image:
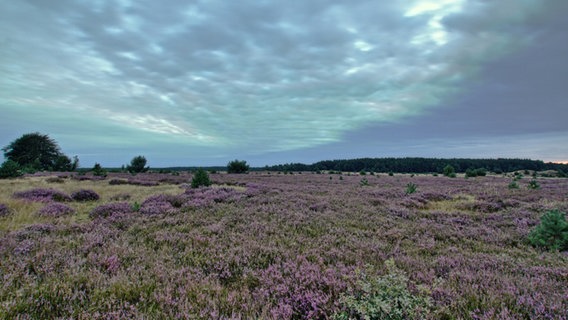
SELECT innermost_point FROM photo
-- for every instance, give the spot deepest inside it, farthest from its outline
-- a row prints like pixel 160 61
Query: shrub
pixel 107 210
pixel 10 169
pixel 533 184
pixel 386 297
pixel 362 172
pixel 200 179
pixel 237 166
pixel 85 195
pixel 513 185
pixel 410 188
pixel 55 210
pixel 552 232
pixel 42 195
pixel 99 171
pixel 364 182
pixel 449 171
pixel 4 210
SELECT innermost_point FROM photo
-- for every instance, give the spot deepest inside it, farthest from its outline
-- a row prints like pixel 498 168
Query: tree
pixel 10 169
pixel 552 232
pixel 449 171
pixel 137 165
pixel 237 166
pixel 36 151
pixel 201 178
pixel 99 171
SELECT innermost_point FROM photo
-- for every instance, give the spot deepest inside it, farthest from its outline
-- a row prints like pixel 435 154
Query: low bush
pixel 55 210
pixel 385 297
pixel 42 195
pixel 10 169
pixel 107 210
pixel 410 188
pixel 4 210
pixel 85 195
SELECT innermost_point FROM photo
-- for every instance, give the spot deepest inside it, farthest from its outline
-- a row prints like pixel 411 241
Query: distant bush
pixel 386 297
pixel 362 172
pixel 107 210
pixel 513 185
pixel 200 179
pixel 533 184
pixel 552 232
pixel 10 169
pixel 449 171
pixel 364 182
pixel 237 166
pixel 99 171
pixel 85 195
pixel 55 210
pixel 479 172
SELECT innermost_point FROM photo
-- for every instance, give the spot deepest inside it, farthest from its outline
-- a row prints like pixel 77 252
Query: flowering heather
pixel 85 195
pixel 110 209
pixel 159 204
pixel 42 195
pixel 4 210
pixel 55 210
pixel 296 246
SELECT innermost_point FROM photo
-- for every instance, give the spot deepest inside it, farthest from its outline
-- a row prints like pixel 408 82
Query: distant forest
pixel 421 165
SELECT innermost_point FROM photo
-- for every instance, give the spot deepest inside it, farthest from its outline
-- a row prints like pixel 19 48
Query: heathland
pixel 279 246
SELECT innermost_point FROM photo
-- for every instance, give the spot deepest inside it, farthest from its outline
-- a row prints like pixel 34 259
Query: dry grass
pixel 24 212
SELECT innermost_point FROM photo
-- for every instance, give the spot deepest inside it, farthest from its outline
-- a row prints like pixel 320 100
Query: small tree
pixel 449 171
pixel 137 165
pixel 237 166
pixel 552 232
pixel 200 179
pixel 99 171
pixel 10 169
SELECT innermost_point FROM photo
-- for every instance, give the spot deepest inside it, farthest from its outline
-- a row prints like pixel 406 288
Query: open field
pixel 262 245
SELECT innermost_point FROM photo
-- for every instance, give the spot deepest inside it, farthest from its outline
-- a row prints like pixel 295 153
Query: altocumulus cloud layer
pixel 207 81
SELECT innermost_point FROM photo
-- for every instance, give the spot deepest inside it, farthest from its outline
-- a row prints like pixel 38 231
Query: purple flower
pixel 4 210
pixel 55 210
pixel 42 195
pixel 107 210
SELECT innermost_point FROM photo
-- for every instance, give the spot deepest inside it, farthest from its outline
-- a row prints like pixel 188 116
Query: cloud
pixel 263 76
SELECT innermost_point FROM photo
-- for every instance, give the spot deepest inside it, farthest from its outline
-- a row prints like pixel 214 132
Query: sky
pixel 200 83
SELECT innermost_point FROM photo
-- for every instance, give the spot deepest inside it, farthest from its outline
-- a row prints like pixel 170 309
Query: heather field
pixel 278 246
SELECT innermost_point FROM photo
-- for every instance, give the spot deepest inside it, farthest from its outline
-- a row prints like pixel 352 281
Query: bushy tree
pixel 237 166
pixel 10 169
pixel 449 171
pixel 99 171
pixel 552 232
pixel 200 179
pixel 137 165
pixel 36 151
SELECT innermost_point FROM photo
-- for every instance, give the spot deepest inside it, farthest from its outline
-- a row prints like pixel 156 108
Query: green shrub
pixel 10 169
pixel 137 165
pixel 410 188
pixel 200 179
pixel 99 171
pixel 449 171
pixel 552 232
pixel 386 297
pixel 533 184
pixel 513 185
pixel 362 172
pixel 364 182
pixel 237 166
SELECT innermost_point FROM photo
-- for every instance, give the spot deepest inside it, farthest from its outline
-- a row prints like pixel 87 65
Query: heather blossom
pixel 55 210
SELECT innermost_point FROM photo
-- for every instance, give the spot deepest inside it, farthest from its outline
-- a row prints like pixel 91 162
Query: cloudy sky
pixel 204 82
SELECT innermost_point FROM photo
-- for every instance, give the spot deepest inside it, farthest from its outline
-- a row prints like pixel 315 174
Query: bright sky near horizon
pixel 189 83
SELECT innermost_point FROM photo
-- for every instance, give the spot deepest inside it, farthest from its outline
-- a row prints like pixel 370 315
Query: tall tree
pixel 38 152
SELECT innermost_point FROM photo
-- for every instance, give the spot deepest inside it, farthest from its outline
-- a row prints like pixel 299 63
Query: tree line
pixel 421 165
